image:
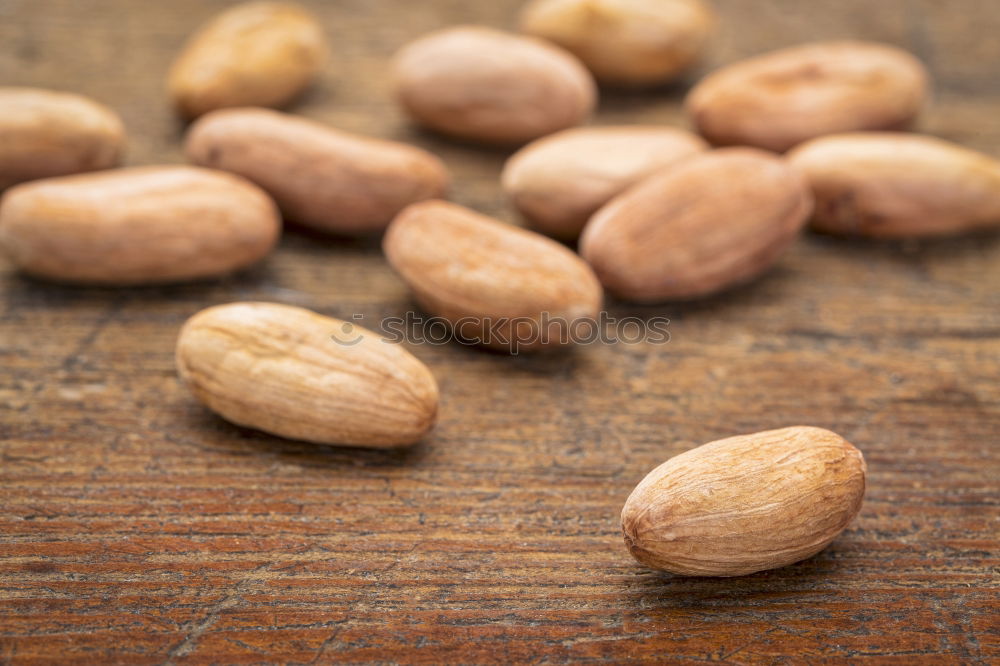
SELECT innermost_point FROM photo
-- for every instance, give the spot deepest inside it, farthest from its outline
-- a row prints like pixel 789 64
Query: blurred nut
pixel 252 54
pixel 498 285
pixel 320 176
pixel 888 185
pixel 559 181
pixel 711 222
pixel 142 225
pixel 489 86
pixel 780 99
pixel 625 42
pixel 45 133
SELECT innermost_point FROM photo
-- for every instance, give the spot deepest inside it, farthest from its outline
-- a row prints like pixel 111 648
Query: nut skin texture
pixel 709 223
pixel 629 43
pixel 885 185
pixel 321 177
pixel 281 369
pixel 45 133
pixel 780 99
pixel 253 54
pixel 559 181
pixel 488 86
pixel 470 269
pixel 135 226
pixel 745 504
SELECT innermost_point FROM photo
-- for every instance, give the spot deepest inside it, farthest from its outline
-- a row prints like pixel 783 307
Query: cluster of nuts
pixel 659 213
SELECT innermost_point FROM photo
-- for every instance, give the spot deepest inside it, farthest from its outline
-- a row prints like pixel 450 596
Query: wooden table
pixel 136 527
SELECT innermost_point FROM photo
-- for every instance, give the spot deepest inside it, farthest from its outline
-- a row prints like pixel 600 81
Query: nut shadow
pixel 775 284
pixel 209 432
pixel 453 147
pixel 39 291
pixel 624 98
pixel 302 238
pixel 554 361
pixel 943 248
pixel 769 286
pixel 660 591
pixel 561 361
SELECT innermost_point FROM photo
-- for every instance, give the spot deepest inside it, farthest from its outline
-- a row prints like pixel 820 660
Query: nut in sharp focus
pixel 746 503
pixel 297 374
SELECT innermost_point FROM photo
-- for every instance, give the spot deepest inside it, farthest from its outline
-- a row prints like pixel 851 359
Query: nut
pixel 625 42
pixel 559 181
pixel 140 225
pixel 886 185
pixel 321 177
pixel 498 285
pixel 46 133
pixel 706 224
pixel 778 100
pixel 490 86
pixel 745 504
pixel 297 374
pixel 252 54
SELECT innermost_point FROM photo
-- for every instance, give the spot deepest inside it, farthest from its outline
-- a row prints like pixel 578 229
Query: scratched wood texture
pixel 135 527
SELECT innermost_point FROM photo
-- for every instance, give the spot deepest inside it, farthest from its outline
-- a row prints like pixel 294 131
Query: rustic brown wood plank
pixel 137 528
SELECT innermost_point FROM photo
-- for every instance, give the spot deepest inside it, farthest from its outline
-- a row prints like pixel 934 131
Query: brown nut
pixel 711 222
pixel 44 133
pixel 745 504
pixel 297 374
pixel 499 286
pixel 321 177
pixel 559 181
pixel 489 86
pixel 252 54
pixel 780 99
pixel 625 42
pixel 141 225
pixel 886 185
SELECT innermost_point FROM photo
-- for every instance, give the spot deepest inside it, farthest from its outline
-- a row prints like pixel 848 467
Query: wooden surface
pixel 135 527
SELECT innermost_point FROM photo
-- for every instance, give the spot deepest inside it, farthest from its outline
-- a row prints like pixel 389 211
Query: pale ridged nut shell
pixel 297 374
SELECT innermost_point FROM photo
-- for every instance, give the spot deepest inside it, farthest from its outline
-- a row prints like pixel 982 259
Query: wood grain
pixel 135 527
